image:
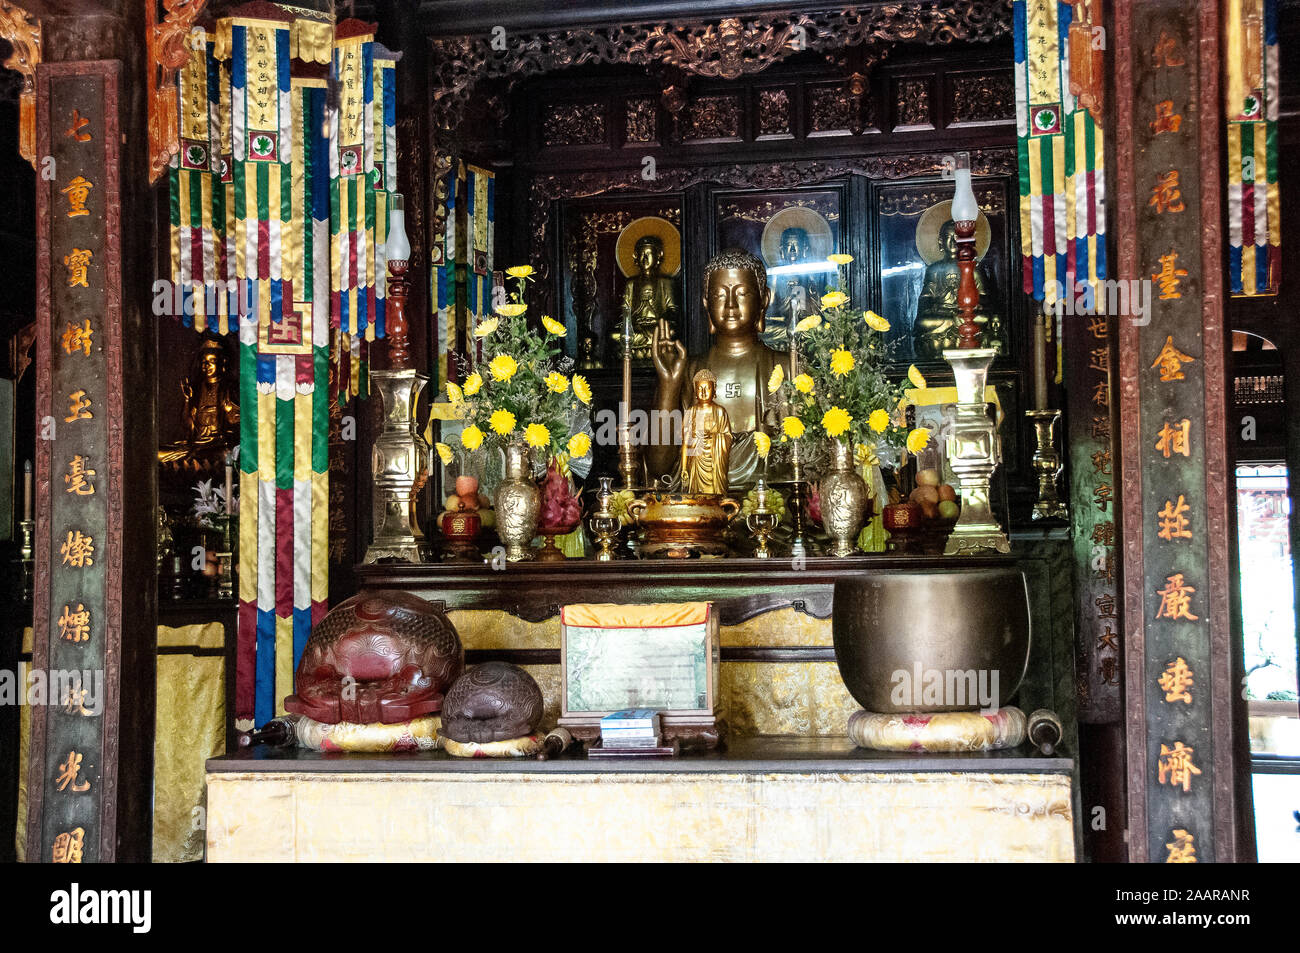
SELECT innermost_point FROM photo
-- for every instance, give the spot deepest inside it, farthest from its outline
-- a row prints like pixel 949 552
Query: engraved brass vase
pixel 518 502
pixel 844 501
pixel 893 630
pixel 681 525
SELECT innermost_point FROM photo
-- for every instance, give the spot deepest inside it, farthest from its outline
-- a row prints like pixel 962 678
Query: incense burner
pixel 680 525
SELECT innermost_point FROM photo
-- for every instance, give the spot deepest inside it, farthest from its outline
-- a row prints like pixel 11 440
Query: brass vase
pixel 844 500
pixel 518 502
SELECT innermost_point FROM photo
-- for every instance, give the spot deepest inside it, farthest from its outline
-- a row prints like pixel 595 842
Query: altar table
pixel 762 799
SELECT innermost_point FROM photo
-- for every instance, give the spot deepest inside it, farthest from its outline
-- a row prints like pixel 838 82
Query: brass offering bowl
pixel 680 525
pixel 960 620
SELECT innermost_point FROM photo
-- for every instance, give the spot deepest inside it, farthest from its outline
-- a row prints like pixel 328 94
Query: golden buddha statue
pixel 706 440
pixel 736 298
pixel 937 321
pixel 796 293
pixel 211 410
pixel 648 298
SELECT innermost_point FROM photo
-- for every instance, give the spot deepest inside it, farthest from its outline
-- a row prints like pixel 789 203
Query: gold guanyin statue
pixel 211 413
pixel 736 298
pixel 937 320
pixel 648 296
pixel 706 440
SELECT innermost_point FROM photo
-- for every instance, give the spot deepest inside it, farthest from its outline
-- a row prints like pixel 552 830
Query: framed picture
pixel 917 267
pixel 793 232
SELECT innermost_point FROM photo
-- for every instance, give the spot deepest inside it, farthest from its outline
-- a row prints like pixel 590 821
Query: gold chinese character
pixel 78 550
pixel 1101 392
pixel 1101 462
pixel 1175 439
pixel 68 771
pixel 1170 360
pixel 78 407
pixel 1166 119
pixel 1168 276
pixel 78 263
pixel 75 626
pixel 1099 326
pixel 1105 606
pixel 78 337
pixel 67 847
pixel 1176 600
pixel 77 191
pixel 75 703
pixel 1106 572
pixel 1181 850
pixel 1175 681
pixel 1173 524
pixel 1100 359
pixel 1104 533
pixel 1109 670
pixel 1107 640
pixel 1176 766
pixel 1165 194
pixel 1102 496
pixel 78 128
pixel 1101 428
pixel 1166 52
pixel 78 477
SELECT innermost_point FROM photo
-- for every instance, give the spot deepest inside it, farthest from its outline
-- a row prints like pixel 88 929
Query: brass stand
pixel 1047 464
pixel 603 523
pixel 27 554
pixel 974 452
pixel 225 558
pixel 762 522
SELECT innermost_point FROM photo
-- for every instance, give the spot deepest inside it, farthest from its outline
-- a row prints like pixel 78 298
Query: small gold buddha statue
pixel 795 294
pixel 211 414
pixel 736 298
pixel 648 298
pixel 937 320
pixel 706 440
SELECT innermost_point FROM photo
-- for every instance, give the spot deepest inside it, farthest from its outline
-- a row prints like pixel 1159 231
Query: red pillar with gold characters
pixel 1184 714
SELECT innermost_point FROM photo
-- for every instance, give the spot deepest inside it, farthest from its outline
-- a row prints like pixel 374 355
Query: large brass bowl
pixel 683 524
pixel 922 621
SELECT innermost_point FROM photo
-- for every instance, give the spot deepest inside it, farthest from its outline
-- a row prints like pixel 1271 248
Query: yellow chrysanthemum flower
pixel 502 421
pixel 553 326
pixel 579 445
pixel 840 259
pixel 557 382
pixel 808 323
pixel 454 392
pixel 836 420
pixel 774 380
pixel 803 384
pixel 876 322
pixel 917 439
pixel 486 327
pixel 503 367
pixel 878 420
pixel 512 310
pixel 471 438
pixel 444 453
pixel 763 444
pixel 520 271
pixel 792 427
pixel 536 435
pixel 915 378
pixel 841 362
pixel 582 388
pixel 834 299
pixel 473 384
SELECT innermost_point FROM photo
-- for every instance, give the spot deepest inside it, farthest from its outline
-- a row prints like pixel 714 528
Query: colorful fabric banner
pixel 480 219
pixel 1250 90
pixel 278 191
pixel 442 278
pixel 1061 146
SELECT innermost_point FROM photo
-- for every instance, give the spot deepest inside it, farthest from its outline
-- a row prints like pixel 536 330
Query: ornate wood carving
pixel 23 31
pixel 983 97
pixel 774 113
pixel 713 118
pixel 724 49
pixel 912 103
pixel 831 109
pixel 574 124
pixel 642 120
pixel 169 48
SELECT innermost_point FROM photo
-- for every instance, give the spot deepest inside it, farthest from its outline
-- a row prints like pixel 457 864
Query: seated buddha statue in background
pixel 795 294
pixel 937 320
pixel 648 298
pixel 211 416
pixel 736 298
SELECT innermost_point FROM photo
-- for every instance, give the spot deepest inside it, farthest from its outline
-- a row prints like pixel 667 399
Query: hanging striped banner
pixel 1061 148
pixel 1250 90
pixel 442 260
pixel 480 215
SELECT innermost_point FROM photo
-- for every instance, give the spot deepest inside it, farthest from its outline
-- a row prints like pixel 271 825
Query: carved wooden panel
pixel 642 120
pixel 774 113
pixel 912 104
pixel 714 118
pixel 574 124
pixel 979 98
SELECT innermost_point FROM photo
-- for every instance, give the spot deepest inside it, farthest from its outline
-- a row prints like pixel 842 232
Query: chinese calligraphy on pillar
pixel 77 626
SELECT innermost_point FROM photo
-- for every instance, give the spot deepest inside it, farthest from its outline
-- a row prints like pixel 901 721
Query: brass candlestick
pixel 603 523
pixel 27 555
pixel 400 459
pixel 225 558
pixel 762 522
pixel 629 460
pixel 1047 464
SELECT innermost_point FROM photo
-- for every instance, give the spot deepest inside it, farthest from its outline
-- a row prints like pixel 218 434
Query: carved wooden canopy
pixel 724 48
